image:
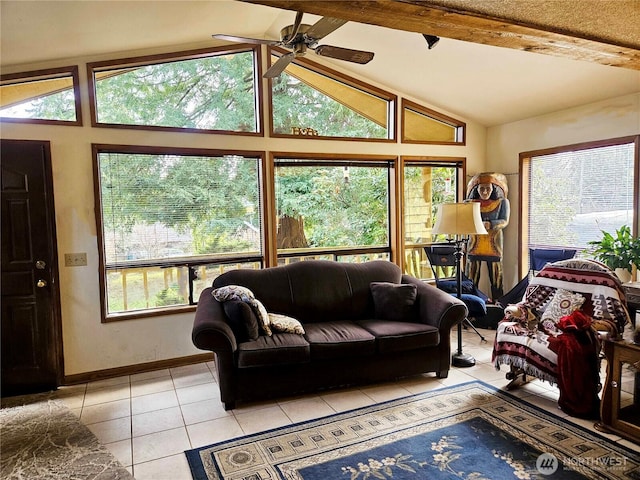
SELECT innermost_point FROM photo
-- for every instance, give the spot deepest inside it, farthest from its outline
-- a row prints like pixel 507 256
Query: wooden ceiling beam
pixel 424 17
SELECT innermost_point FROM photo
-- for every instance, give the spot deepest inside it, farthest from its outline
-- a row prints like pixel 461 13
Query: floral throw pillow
pixel 283 323
pixel 563 303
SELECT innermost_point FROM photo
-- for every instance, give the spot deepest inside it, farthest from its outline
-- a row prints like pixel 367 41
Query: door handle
pixel 41 283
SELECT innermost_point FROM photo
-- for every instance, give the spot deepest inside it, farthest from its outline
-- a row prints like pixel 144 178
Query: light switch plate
pixel 75 259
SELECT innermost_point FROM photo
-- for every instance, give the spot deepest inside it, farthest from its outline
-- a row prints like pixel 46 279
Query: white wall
pixel 90 345
pixel 613 118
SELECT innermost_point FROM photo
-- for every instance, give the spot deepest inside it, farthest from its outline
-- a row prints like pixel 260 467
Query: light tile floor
pixel 148 420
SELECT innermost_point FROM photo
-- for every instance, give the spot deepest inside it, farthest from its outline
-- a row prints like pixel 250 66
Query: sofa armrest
pixel 210 328
pixel 437 308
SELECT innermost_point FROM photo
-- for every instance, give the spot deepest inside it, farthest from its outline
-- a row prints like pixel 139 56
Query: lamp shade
pixel 459 219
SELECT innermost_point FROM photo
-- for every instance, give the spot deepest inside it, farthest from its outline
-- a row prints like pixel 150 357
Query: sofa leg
pixel 442 374
pixel 229 405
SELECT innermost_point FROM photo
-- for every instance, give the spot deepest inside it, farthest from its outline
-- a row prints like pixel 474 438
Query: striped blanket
pixel 526 348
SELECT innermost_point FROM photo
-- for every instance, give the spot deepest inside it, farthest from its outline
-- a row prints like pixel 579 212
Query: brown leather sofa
pixel 355 332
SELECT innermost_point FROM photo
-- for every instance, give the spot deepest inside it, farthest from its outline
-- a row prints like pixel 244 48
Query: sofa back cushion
pixel 316 290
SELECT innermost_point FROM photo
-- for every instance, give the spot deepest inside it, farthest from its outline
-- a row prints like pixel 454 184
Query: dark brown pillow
pixel 242 320
pixel 393 301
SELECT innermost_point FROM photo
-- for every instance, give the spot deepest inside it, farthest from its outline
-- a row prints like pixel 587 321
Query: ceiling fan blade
pixel 233 38
pixel 355 56
pixel 278 67
pixel 296 24
pixel 324 27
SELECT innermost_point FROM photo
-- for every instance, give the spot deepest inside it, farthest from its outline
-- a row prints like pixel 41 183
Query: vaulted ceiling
pixel 601 32
pixel 497 61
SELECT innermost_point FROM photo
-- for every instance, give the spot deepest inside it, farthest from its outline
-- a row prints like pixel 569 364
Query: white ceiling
pixel 490 85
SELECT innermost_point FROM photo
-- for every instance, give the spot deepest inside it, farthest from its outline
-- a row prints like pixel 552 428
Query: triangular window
pixel 43 96
pixel 308 100
pixel 423 125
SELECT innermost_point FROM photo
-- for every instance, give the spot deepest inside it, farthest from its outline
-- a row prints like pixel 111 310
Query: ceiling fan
pixel 299 37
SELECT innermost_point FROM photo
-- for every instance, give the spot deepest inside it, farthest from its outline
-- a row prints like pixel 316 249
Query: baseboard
pixel 138 368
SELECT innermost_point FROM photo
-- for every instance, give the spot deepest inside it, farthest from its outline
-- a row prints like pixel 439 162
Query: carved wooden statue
pixel 491 190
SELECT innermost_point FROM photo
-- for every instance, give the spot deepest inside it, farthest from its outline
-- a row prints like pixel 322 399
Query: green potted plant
pixel 619 252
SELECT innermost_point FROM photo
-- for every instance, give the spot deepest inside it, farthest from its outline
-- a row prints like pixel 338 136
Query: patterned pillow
pixel 283 323
pixel 262 315
pixel 243 294
pixel 563 303
pixel 233 292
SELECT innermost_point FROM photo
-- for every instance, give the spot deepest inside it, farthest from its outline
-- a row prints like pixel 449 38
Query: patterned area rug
pixel 42 439
pixel 471 431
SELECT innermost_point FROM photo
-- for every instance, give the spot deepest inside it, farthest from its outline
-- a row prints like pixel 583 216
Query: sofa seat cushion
pixel 393 336
pixel 277 349
pixel 338 339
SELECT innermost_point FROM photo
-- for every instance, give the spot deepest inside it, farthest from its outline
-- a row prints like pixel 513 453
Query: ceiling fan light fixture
pixel 300 37
pixel 432 40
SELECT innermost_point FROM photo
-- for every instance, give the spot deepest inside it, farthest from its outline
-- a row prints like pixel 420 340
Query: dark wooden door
pixel 31 326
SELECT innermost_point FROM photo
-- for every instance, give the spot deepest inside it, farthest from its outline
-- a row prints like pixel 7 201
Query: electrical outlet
pixel 75 259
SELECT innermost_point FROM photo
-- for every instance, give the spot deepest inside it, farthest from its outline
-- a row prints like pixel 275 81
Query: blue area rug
pixel 470 431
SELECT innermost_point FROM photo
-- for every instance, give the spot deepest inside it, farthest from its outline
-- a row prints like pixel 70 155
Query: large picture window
pixel 196 91
pixel 334 209
pixel 574 193
pixel 165 215
pixel 172 218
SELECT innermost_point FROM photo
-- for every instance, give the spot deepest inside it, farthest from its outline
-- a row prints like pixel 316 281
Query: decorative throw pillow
pixel 262 315
pixel 283 323
pixel 243 294
pixel 563 303
pixel 233 292
pixel 393 301
pixel 242 320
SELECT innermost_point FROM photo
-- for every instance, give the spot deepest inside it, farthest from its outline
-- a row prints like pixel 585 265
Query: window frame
pixel 459 126
pixel 391 98
pixel 268 256
pixel 336 159
pixel 47 74
pixel 459 163
pixel 189 262
pixel 524 179
pixel 132 62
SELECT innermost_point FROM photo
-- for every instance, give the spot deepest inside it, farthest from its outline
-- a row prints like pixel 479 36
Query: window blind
pixel 574 195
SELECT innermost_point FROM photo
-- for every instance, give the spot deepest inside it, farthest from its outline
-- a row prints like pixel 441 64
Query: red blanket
pixel 578 366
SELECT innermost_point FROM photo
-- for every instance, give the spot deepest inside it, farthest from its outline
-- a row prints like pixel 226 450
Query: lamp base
pixel 462 360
